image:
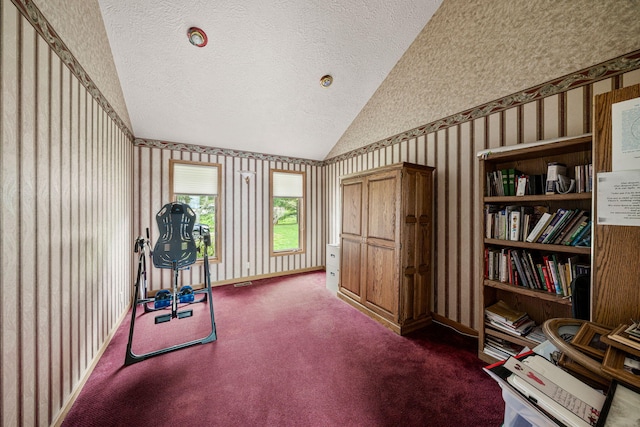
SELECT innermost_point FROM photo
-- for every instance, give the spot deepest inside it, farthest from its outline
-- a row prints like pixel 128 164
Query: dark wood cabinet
pixel 386 259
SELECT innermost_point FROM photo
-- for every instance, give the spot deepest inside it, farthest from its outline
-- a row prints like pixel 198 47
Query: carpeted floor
pixel 289 353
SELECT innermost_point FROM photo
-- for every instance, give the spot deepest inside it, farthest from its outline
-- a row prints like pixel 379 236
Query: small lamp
pixel 246 175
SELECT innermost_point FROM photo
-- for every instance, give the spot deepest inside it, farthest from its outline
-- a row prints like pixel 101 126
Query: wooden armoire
pixel 386 244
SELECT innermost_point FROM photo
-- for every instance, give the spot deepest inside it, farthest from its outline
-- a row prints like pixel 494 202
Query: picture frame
pixel 587 340
pixel 614 365
pixel 585 375
pixel 622 407
pixel 620 338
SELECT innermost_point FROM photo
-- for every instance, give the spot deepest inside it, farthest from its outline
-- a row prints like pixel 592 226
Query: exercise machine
pixel 175 250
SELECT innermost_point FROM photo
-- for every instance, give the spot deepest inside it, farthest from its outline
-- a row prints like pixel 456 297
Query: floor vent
pixel 238 285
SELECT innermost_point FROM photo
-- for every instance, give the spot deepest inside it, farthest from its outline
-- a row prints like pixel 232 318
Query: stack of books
pixel 500 348
pixel 537 335
pixel 502 317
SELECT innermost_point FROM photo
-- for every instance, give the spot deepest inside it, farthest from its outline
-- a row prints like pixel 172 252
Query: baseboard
pixel 200 286
pixel 459 327
pixel 59 418
pixel 265 276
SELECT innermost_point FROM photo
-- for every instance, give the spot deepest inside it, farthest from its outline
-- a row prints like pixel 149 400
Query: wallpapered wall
pixel 66 215
pixel 474 51
pixel 75 193
pixel 245 210
pixel 558 108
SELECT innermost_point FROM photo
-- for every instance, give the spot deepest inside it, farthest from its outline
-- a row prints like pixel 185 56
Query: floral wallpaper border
pixel 589 75
pixel 178 146
pixel 611 68
pixel 30 11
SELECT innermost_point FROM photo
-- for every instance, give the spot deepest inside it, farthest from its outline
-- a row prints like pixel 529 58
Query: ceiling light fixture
pixel 197 37
pixel 325 81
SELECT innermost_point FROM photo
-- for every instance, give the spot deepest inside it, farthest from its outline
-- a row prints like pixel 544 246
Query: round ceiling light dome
pixel 197 37
pixel 325 81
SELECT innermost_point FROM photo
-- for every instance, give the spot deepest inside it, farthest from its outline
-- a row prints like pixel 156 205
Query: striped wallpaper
pixel 450 145
pixel 76 191
pixel 66 202
pixel 245 213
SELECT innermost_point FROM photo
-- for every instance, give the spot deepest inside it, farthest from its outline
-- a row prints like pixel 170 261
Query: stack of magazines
pixel 499 348
pixel 502 317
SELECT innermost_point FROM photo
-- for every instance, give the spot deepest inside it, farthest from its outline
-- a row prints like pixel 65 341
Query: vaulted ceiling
pixel 397 65
pixel 255 86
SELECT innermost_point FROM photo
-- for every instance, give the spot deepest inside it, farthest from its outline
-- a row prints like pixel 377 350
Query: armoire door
pixel 381 236
pixel 351 238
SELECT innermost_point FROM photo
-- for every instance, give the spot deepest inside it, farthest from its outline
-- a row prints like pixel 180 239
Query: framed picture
pixel 585 375
pixel 622 366
pixel 622 407
pixel 588 340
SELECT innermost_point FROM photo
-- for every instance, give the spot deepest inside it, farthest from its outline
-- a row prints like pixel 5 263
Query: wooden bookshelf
pixel 532 158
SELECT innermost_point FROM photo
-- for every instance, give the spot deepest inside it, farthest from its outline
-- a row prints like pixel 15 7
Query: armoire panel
pixel 352 208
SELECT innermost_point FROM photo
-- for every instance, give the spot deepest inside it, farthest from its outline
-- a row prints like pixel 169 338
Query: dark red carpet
pixel 289 353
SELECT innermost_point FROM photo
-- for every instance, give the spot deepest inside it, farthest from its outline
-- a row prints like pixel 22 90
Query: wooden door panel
pixel 382 208
pixel 381 284
pixel 416 298
pixel 352 208
pixel 350 271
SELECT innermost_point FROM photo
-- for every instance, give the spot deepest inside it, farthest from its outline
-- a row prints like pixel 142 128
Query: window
pixel 287 202
pixel 198 185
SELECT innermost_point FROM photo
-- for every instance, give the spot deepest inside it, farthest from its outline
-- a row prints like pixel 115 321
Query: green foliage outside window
pixel 205 210
pixel 286 225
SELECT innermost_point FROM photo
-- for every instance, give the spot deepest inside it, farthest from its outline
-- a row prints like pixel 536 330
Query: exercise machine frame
pixel 141 280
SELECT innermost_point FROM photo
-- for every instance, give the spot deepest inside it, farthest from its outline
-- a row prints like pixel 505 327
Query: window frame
pixel 217 242
pixel 301 215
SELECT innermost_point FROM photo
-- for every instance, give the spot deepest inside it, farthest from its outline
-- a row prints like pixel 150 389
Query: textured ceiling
pixel 476 51
pixel 255 86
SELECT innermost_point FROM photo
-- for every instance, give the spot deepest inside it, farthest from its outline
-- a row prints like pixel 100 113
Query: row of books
pixel 512 182
pixel 534 224
pixel 546 272
pixel 584 178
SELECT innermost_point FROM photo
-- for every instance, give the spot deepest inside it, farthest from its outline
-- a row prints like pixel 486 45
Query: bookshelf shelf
pixel 547 296
pixel 512 338
pixel 507 258
pixel 540 246
pixel 542 198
